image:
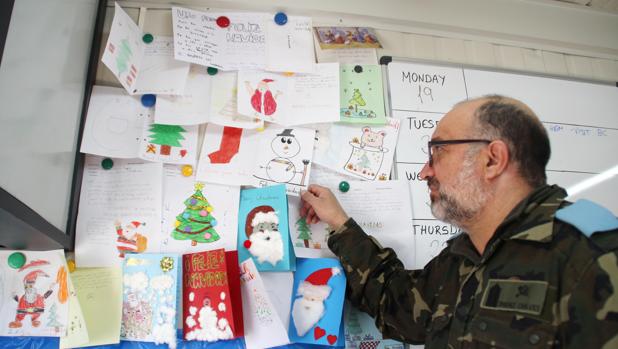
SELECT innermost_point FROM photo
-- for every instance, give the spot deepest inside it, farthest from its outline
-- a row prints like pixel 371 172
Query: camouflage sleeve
pixel 378 284
pixel 590 311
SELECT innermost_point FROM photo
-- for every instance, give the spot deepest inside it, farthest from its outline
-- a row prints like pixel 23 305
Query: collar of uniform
pixel 532 220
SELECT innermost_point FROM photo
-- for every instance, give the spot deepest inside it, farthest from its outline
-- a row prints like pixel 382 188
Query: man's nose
pixel 426 172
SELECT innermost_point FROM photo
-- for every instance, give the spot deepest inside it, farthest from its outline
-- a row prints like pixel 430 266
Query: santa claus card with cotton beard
pixel 211 304
pixel 263 229
pixel 33 293
pixel 317 302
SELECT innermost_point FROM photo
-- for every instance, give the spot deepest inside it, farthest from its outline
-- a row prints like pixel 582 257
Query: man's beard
pixel 460 202
pixel 30 295
pixel 306 313
pixel 267 246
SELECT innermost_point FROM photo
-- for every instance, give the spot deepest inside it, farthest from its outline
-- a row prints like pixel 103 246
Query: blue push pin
pixel 281 18
pixel 149 100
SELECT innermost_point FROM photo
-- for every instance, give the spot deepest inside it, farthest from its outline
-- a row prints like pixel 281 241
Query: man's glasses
pixel 432 144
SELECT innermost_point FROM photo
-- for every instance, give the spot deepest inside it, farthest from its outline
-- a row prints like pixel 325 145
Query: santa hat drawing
pixel 31 277
pixel 316 284
pixel 259 214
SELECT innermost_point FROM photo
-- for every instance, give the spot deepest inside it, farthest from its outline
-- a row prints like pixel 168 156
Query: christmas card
pixel 34 293
pixel 285 157
pixel 190 108
pixel 142 67
pixel 362 333
pixel 212 305
pixel 263 326
pixel 317 302
pixel 149 298
pixel 362 95
pixel 197 216
pixel 290 99
pixel 362 151
pixel 224 103
pixel 173 144
pixel 263 229
pixel 119 211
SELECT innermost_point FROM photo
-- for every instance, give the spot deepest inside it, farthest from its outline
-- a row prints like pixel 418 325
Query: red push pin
pixel 223 22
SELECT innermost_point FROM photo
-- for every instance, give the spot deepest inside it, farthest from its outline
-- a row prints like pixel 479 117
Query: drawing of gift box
pixel 365 161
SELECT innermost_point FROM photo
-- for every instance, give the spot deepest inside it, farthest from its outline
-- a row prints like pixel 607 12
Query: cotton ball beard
pixel 266 246
pixel 309 309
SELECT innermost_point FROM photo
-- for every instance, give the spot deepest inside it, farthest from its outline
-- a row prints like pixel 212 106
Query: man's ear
pixel 498 157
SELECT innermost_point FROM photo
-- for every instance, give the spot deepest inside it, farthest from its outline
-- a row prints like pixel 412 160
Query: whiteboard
pixel 581 119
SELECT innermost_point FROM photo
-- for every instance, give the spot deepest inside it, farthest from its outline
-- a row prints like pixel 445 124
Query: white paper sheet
pixel 289 47
pixel 124 49
pixel 119 210
pixel 160 73
pixel 172 144
pixel 263 326
pixel 279 286
pixel 40 270
pixel 284 157
pixel 365 152
pixel 223 199
pixel 290 100
pixel 224 103
pixel 196 36
pixel 192 107
pixel 113 124
pixel 222 163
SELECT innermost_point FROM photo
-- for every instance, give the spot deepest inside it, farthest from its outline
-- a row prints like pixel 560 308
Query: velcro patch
pixel 524 296
pixel 588 217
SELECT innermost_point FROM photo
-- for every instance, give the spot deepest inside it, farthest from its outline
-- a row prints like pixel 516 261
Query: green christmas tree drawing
pixel 196 222
pixel 124 54
pixel 167 136
pixel 304 232
pixel 357 99
pixel 353 323
pixel 52 318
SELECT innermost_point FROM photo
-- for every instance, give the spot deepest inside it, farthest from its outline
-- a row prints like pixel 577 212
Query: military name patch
pixel 525 296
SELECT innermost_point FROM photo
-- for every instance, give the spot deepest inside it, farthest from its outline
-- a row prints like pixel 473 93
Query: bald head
pixel 510 120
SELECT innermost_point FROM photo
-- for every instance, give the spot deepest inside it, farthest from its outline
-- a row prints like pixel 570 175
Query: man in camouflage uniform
pixel 518 278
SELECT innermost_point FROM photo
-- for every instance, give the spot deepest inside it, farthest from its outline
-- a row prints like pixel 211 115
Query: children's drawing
pixel 262 228
pixel 262 99
pixel 166 136
pixel 196 223
pixel 149 298
pixel 224 103
pixel 317 307
pixel 289 162
pixel 129 239
pixel 361 332
pixel 168 143
pixel 362 98
pixel 35 294
pixel 229 146
pixel 304 232
pixel 367 154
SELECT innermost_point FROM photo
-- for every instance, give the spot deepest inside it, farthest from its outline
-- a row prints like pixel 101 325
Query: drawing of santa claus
pixel 262 99
pixel 309 308
pixel 31 302
pixel 129 240
pixel 262 229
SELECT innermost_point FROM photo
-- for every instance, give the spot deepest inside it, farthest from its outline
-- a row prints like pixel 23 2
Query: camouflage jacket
pixel 540 283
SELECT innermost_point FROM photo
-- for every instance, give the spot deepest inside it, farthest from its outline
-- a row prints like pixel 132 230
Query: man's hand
pixel 319 203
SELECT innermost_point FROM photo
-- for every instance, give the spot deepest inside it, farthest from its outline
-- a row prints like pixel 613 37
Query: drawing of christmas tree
pixel 196 222
pixel 303 230
pixel 353 324
pixel 357 99
pixel 52 318
pixel 167 136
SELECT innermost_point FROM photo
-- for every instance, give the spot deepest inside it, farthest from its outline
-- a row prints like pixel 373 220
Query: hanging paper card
pixel 285 157
pixel 263 228
pixel 190 108
pixel 317 305
pixel 197 216
pixel 264 328
pixel 172 144
pixel 362 96
pixel 210 311
pixel 361 331
pixel 224 103
pixel 149 298
pixel 33 293
pixel 289 47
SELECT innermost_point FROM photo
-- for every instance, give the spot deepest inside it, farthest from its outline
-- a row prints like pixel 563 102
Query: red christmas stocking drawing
pixel 230 142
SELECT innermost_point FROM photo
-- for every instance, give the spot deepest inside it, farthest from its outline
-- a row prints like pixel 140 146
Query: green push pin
pixel 147 38
pixel 107 163
pixel 344 186
pixel 17 260
pixel 212 71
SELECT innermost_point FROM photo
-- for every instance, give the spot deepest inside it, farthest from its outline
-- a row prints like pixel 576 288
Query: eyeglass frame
pixel 451 141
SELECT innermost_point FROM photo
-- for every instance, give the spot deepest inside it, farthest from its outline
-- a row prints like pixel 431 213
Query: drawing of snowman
pixel 281 169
